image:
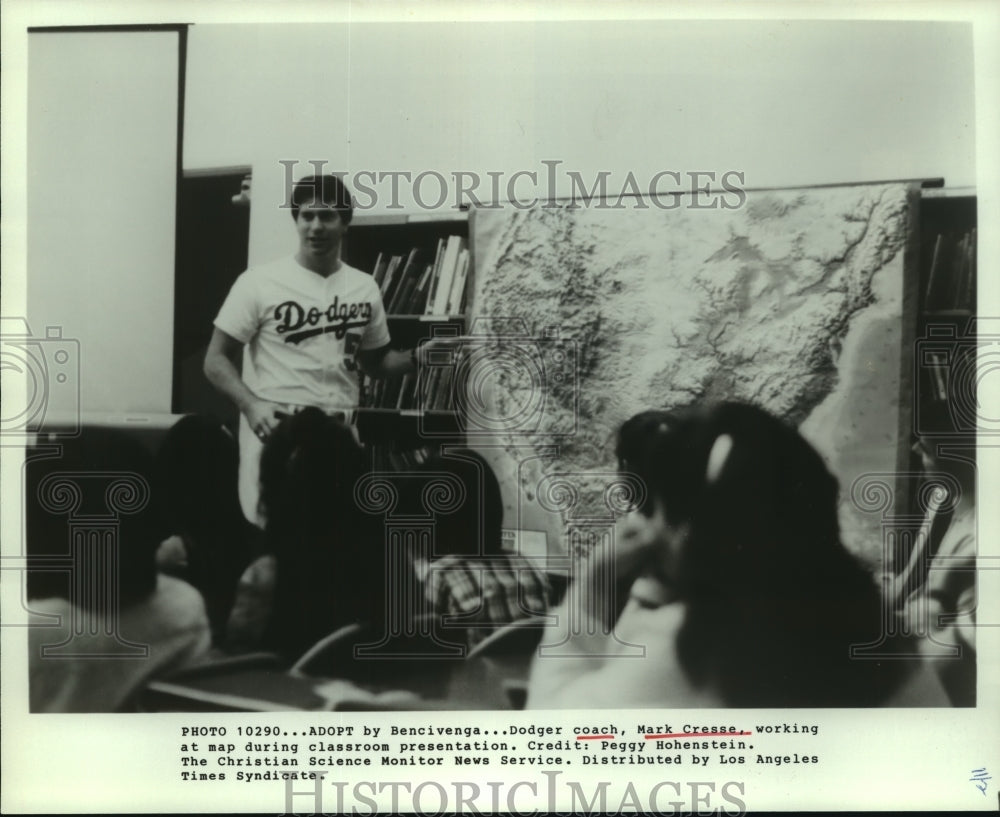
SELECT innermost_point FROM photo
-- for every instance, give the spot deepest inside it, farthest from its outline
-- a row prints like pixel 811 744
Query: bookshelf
pixel 945 347
pixel 937 401
pixel 414 259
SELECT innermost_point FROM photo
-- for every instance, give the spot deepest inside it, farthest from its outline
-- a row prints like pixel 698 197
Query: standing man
pixel 306 322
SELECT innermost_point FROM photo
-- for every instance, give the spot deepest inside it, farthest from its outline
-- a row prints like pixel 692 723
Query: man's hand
pixel 386 362
pixel 438 344
pixel 261 414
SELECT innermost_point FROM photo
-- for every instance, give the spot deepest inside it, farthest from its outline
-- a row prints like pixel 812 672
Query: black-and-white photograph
pixel 524 391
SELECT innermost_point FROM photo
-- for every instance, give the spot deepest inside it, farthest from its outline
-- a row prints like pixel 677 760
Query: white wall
pixel 786 103
pixel 789 103
pixel 102 141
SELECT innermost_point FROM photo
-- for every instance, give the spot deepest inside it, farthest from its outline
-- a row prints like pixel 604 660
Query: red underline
pixel 677 735
pixel 697 735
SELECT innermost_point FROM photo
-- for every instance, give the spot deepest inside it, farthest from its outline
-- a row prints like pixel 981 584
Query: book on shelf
pixel 959 271
pixel 969 295
pixel 388 457
pixel 429 391
pixel 429 379
pixel 403 270
pixel 381 265
pixel 951 278
pixel 962 295
pixel 412 286
pixel 939 370
pixel 441 399
pixel 439 300
pixel 390 275
pixel 405 399
pixel 403 294
pixel 393 386
pixel 463 303
pixel 456 295
pixel 418 301
pixel 435 276
pixel 934 276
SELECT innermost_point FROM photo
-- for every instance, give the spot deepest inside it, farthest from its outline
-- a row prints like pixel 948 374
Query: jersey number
pixel 351 344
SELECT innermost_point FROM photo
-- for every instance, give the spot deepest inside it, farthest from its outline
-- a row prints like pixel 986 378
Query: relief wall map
pixel 792 302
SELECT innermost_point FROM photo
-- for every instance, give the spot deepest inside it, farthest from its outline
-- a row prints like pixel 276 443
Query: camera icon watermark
pixel 505 380
pixel 952 366
pixel 41 380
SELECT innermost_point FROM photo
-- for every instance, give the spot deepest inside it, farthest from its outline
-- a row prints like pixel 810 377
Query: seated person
pixel 211 542
pixel 119 624
pixel 326 561
pixel 741 592
pixel 470 576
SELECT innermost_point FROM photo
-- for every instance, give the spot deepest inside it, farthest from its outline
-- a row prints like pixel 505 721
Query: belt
pixel 348 417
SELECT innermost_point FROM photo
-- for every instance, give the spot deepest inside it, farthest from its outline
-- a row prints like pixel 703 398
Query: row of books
pixel 431 391
pixel 416 285
pixel 387 458
pixel 951 279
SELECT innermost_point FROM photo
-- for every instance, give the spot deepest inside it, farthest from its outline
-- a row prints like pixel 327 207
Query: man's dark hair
pixel 328 189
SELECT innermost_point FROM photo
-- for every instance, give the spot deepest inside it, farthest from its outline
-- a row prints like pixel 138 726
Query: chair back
pixel 419 658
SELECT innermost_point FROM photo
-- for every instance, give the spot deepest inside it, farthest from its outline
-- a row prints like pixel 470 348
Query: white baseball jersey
pixel 303 331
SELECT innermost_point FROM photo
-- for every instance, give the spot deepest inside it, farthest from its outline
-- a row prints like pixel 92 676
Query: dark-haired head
pixel 737 472
pixel 308 469
pixel 774 600
pixel 326 189
pixel 475 526
pixel 330 557
pixel 635 442
pixel 196 474
pixel 103 474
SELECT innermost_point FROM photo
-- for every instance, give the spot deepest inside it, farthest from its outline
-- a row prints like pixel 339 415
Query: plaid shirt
pixel 487 591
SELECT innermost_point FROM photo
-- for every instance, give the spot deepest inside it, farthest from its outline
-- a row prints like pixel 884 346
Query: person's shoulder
pixel 640 623
pixel 921 687
pixel 270 270
pixel 354 272
pixel 174 609
pixel 48 606
pixel 178 596
pixel 355 277
pixel 249 282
